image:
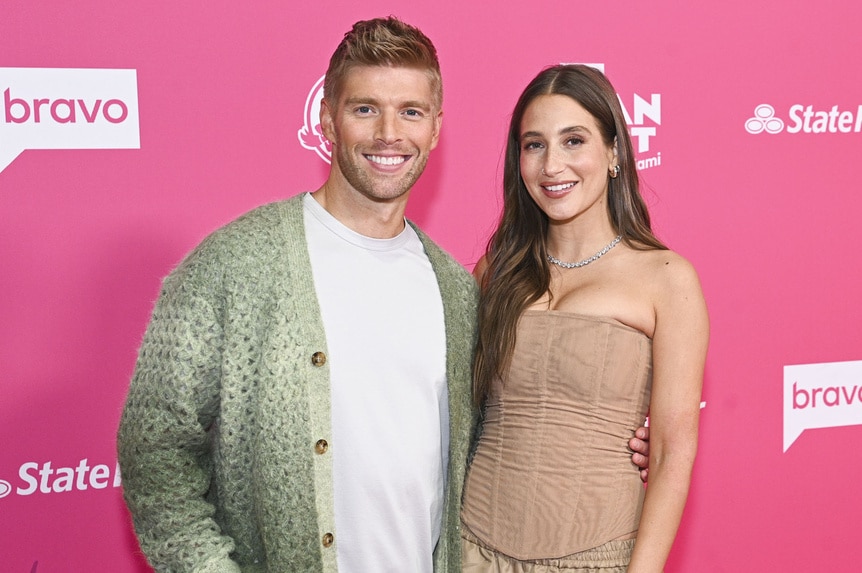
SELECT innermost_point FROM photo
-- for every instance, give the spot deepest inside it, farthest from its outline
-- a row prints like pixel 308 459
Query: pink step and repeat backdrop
pixel 130 130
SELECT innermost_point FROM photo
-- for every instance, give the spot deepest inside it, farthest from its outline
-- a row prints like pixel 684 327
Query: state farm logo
pixel 47 478
pixel 310 135
pixel 803 118
pixel 764 120
pixel 825 395
pixel 66 108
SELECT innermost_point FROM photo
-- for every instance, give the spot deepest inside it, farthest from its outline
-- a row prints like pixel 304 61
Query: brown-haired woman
pixel 587 323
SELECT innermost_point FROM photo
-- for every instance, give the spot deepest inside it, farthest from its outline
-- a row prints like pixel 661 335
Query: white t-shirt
pixel 385 334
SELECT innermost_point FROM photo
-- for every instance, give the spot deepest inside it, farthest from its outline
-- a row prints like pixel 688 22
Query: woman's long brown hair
pixel 518 272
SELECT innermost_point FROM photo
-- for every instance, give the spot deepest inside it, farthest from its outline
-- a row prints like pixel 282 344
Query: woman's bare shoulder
pixel 673 285
pixel 667 269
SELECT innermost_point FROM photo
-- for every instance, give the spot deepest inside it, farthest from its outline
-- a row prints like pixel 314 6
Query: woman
pixel 587 322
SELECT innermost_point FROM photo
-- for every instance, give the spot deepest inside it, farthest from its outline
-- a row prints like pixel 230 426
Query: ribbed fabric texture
pixel 552 474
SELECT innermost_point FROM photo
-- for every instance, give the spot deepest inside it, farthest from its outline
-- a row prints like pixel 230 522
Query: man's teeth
pixel 387 160
pixel 558 187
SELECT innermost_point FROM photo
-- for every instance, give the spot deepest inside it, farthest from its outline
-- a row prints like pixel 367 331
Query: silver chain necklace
pixel 585 262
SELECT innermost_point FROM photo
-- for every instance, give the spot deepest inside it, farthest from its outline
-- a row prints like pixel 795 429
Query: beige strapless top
pixel 552 474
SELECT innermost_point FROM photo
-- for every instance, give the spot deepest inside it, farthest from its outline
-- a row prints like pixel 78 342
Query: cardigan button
pixel 318 358
pixel 321 446
pixel 327 540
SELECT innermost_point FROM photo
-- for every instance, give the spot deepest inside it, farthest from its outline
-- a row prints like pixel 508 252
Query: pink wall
pixel 769 219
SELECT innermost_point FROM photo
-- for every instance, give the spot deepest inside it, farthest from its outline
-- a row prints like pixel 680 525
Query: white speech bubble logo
pixel 67 108
pixel 825 395
pixel 5 488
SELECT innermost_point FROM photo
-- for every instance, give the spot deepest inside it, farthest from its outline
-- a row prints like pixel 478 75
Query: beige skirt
pixel 612 557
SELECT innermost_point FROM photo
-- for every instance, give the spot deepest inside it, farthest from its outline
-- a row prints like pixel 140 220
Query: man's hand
pixel 640 445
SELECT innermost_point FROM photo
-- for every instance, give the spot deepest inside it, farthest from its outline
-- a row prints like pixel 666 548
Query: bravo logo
pixel 805 119
pixel 825 395
pixel 40 478
pixel 66 108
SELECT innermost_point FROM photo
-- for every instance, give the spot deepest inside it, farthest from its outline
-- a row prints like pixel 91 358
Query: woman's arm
pixel 679 353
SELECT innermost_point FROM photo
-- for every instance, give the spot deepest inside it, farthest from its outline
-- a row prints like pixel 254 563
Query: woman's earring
pixel 615 172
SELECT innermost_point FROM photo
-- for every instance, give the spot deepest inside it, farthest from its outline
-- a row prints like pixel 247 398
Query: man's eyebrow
pixel 419 104
pixel 423 105
pixel 361 100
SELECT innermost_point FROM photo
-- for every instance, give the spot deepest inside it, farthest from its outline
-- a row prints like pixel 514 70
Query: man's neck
pixel 366 216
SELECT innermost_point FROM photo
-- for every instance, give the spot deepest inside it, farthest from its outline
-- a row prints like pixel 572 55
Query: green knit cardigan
pixel 217 438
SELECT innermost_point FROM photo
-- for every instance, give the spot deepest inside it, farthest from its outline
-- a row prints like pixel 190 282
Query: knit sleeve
pixel 163 446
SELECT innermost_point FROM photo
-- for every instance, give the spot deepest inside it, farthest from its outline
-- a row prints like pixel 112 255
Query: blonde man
pixel 301 401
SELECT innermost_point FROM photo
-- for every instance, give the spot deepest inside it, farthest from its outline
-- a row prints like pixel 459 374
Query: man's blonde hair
pixel 382 42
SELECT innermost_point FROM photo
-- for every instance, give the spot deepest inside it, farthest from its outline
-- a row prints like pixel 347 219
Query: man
pixel 301 400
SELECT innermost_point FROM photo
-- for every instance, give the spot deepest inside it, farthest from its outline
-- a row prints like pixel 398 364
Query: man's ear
pixel 438 123
pixel 326 122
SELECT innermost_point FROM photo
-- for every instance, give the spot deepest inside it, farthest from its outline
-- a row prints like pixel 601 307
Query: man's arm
pixel 640 446
pixel 163 446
